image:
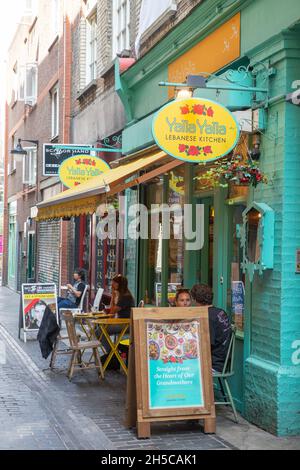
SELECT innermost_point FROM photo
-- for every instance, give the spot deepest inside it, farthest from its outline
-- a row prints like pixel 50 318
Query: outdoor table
pixel 87 323
pixel 104 324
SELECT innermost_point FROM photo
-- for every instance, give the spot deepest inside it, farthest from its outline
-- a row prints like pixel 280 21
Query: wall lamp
pixel 19 152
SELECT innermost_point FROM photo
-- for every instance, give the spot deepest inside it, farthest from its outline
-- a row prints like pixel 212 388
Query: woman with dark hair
pixel 75 291
pixel 121 304
pixel 122 300
pixel 219 325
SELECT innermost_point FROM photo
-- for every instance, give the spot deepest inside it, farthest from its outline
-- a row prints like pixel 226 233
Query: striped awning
pixel 85 198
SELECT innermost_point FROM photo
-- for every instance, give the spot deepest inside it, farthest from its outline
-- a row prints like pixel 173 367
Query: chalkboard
pixel 54 156
pixel 172 368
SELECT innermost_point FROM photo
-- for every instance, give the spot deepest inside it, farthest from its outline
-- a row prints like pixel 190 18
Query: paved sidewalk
pixel 41 409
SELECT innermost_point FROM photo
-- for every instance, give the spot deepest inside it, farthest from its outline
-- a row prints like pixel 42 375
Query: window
pixel 27 83
pixel 121 23
pixel 31 84
pixel 55 17
pixel 91 49
pixel 54 112
pixel 15 83
pixel 29 166
pixel 30 8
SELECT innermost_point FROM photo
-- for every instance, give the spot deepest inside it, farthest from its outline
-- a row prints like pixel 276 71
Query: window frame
pixel 120 26
pixel 91 47
pixel 54 115
pixel 30 161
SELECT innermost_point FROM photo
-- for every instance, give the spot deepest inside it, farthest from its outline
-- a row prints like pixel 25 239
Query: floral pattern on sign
pixel 194 150
pixel 173 342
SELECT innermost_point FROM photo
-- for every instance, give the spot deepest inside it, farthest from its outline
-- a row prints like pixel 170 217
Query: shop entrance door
pixel 236 299
pixel 205 262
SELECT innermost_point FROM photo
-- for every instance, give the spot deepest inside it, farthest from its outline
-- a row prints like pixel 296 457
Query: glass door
pixel 205 260
pixel 236 296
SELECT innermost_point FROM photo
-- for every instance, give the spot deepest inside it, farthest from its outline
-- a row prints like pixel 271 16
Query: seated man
pixel 75 292
pixel 219 325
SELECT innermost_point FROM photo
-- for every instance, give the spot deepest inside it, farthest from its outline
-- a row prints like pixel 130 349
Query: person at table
pixel 121 304
pixel 219 325
pixel 183 298
pixel 75 291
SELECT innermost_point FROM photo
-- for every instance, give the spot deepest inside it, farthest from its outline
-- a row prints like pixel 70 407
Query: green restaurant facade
pixel 266 384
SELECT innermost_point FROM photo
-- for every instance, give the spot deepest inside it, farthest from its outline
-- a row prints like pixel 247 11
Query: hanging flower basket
pixel 233 172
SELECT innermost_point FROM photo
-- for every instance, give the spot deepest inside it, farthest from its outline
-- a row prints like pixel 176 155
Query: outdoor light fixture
pixel 19 152
pixel 184 94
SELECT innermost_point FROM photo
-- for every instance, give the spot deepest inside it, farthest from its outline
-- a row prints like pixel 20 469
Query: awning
pixel 85 198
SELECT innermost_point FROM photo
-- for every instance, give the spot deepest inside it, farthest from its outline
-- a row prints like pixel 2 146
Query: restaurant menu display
pixel 174 364
pixel 35 299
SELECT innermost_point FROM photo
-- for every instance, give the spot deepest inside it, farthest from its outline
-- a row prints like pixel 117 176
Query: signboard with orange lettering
pixel 195 130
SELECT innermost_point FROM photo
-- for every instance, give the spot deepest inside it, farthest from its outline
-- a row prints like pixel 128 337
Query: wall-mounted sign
pixel 80 169
pixel 195 130
pixel 54 156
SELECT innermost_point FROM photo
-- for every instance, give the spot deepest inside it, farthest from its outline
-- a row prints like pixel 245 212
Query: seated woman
pixel 75 291
pixel 183 298
pixel 121 304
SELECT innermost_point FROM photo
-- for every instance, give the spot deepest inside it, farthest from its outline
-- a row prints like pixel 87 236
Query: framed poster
pixel 173 372
pixel 174 368
pixel 35 299
pixel 237 297
pixel 172 289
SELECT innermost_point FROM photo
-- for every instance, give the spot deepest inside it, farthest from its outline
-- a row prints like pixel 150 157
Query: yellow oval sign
pixel 80 169
pixel 195 130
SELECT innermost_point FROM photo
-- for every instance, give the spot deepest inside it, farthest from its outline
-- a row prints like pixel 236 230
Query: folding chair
pixel 226 373
pixel 78 348
pixel 97 300
pixel 79 309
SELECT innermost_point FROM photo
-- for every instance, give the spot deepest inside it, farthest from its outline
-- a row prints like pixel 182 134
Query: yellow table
pixel 104 324
pixel 87 323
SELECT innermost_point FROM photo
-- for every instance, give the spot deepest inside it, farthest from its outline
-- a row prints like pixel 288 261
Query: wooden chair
pixel 56 351
pixel 227 372
pixel 78 348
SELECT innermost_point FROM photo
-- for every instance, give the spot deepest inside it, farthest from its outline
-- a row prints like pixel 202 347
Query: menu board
pixel 35 299
pixel 174 365
pixel 169 377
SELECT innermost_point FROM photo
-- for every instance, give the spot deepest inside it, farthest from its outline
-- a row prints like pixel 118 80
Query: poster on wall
pixel 172 289
pixel 54 156
pixel 35 299
pixel 174 364
pixel 237 297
